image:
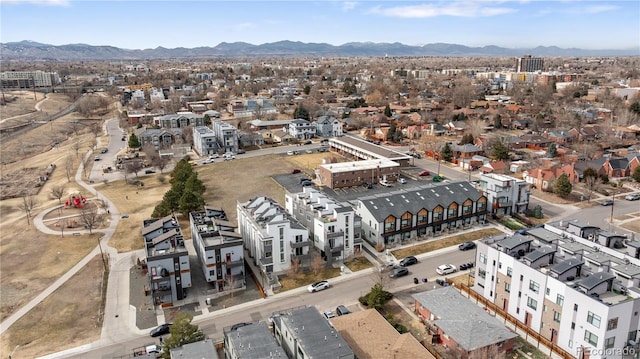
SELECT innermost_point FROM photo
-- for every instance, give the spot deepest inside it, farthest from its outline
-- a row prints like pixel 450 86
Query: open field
pixel 61 321
pixel 19 103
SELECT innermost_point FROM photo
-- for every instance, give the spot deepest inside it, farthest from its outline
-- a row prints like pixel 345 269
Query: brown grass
pixel 413 325
pixel 358 263
pixel 304 279
pixel 61 321
pixel 445 242
pixel 632 226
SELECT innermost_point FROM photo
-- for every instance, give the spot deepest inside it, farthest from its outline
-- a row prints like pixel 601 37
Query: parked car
pixel 329 314
pixel 162 329
pixel 295 170
pixel 402 180
pixel 445 269
pixel 424 173
pixel 607 202
pixel 466 246
pixel 96 158
pixel 241 151
pixel 438 178
pixel 408 261
pixel 215 155
pixel 318 286
pixel 308 142
pixel 442 282
pixel 291 153
pixel 104 150
pixel 228 156
pixel 307 183
pixel 309 151
pixel 342 310
pixel 385 183
pixel 632 197
pixel 399 272
pixel 148 172
pixel 207 161
pixel 367 185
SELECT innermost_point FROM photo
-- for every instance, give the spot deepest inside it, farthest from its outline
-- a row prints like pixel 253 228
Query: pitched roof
pixel 371 336
pixel 413 200
pixel 469 326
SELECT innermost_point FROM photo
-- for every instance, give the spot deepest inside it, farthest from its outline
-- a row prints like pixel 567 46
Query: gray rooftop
pixel 539 253
pixel 315 335
pixel 514 241
pixel 543 234
pixel 562 267
pixel 469 325
pixel 254 342
pixel 595 279
pixel 396 203
pixel 601 257
pixel 628 269
pixel 201 349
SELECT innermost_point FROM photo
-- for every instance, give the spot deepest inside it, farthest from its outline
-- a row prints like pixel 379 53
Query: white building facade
pixel 226 135
pixel 506 195
pixel 204 141
pixel 579 294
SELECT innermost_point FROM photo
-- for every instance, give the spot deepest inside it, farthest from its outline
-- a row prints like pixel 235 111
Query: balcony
pixel 266 261
pixel 236 263
pixel 300 244
pixel 336 249
pixel 301 257
pixel 504 204
pixel 335 234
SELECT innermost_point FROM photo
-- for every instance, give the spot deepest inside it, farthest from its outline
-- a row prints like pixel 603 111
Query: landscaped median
pixel 445 242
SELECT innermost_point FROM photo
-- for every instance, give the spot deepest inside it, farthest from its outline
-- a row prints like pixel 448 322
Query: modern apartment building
pixel 304 333
pixel 179 120
pixel 28 79
pixel 272 237
pixel 349 174
pixel 506 195
pixel 528 63
pixel 204 141
pixel 335 227
pixel 429 209
pixel 219 248
pixel 301 129
pixel 226 135
pixel 167 260
pixel 572 282
pixel 328 126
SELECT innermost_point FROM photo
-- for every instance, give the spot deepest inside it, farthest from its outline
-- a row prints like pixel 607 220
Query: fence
pixel 529 332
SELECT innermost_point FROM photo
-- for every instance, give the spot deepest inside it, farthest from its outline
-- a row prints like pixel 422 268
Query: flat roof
pixel 254 341
pixel 370 148
pixel 359 165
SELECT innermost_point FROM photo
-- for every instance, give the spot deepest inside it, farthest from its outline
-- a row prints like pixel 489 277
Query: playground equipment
pixel 76 200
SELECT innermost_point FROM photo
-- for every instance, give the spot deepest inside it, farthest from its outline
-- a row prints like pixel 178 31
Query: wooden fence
pixel 529 332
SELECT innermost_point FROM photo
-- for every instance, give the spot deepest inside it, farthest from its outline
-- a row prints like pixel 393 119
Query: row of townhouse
pixel 334 227
pixel 219 249
pixel 428 209
pixel 272 237
pixel 572 282
pixel 167 260
pixel 304 333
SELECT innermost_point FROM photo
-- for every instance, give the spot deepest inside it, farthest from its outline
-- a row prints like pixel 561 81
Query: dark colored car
pixel 424 173
pixel 306 183
pixel 149 172
pixel 408 261
pixel 607 202
pixel 342 310
pixel 466 246
pixel 295 170
pixel 399 272
pixel 367 185
pixel 241 151
pixel 442 282
pixel 160 330
pixel 308 142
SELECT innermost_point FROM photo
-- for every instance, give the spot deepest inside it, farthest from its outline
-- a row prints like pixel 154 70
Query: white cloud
pixel 244 26
pixel 600 8
pixel 38 2
pixel 457 9
pixel 348 5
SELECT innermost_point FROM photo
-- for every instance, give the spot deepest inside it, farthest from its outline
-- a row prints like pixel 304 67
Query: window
pixel 535 287
pixel 483 258
pixel 593 319
pixel 507 287
pixel 632 335
pixel 437 214
pixel 612 323
pixel 609 342
pixel 509 272
pixel 560 300
pixel 405 221
pixel 422 216
pixel 556 317
pixel 532 303
pixel 548 291
pixel 466 207
pixel 482 273
pixel 575 307
pixel 590 338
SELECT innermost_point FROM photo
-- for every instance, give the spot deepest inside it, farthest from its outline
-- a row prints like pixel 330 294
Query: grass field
pixel 444 242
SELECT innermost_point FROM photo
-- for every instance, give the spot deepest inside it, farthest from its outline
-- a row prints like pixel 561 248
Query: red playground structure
pixel 76 200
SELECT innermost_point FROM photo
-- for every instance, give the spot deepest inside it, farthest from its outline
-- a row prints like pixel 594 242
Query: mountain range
pixel 30 50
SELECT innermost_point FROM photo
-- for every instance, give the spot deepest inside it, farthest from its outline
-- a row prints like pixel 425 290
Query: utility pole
pixel 613 202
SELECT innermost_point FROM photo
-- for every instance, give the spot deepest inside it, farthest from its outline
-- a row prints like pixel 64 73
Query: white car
pixel 445 269
pixel 385 183
pixel 402 180
pixel 318 286
pixel 207 161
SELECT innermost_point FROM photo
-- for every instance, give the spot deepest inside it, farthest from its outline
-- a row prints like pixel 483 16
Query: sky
pixel 142 24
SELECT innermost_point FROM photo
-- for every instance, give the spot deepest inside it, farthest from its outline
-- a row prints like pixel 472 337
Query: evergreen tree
pixel 562 186
pixel 182 332
pixel 636 174
pixel 467 139
pixel 387 111
pixel 189 202
pixel 497 121
pixel 552 151
pixel 301 112
pixel 133 141
pixel 306 89
pixel 446 152
pixel 392 131
pixel 500 152
pixel 207 120
pixel 194 184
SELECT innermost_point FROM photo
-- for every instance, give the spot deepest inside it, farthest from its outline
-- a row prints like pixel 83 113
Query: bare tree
pixel 68 167
pixel 381 276
pixel 294 270
pixel 90 217
pixel 151 153
pixel 134 166
pixel 74 125
pixel 62 222
pixel 162 162
pixel 104 205
pixel 76 148
pixel 317 263
pixel 29 203
pixel 57 192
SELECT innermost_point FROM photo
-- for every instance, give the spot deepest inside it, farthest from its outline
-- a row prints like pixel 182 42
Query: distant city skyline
pixel 143 24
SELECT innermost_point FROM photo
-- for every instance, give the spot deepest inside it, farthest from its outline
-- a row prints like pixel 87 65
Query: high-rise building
pixel 529 64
